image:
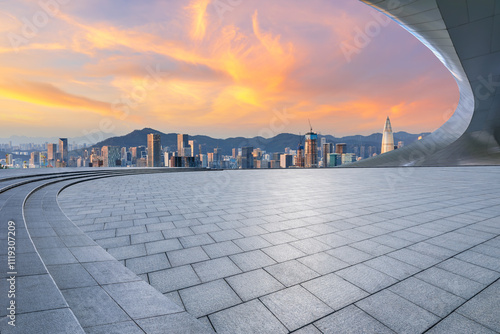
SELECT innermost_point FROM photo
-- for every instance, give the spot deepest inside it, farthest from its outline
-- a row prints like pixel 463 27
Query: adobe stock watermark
pixel 32 25
pixel 127 102
pixel 224 6
pixel 485 88
pixel 363 36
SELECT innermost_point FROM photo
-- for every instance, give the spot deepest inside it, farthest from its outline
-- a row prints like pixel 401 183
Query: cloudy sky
pixel 217 67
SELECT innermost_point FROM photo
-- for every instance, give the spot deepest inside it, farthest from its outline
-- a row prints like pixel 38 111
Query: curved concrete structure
pixel 464 35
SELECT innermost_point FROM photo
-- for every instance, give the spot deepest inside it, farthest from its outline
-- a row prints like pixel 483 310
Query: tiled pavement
pixel 336 250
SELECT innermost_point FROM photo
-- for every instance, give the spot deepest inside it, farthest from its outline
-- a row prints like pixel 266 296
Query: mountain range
pixel 277 143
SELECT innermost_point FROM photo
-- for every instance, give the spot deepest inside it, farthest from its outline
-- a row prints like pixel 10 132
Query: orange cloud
pixel 198 9
pixel 50 96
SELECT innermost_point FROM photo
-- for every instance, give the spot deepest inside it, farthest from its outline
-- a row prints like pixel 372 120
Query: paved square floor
pixel 328 250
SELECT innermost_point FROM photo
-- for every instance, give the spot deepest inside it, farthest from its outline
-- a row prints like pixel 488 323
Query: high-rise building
pixel 347 158
pixel 327 149
pixel 35 159
pixel 182 142
pixel 63 149
pixel 286 160
pixel 401 144
pixel 191 143
pixel 340 148
pixel 111 156
pixel 235 153
pixel 154 150
pixel 123 153
pixel 387 137
pixel 311 150
pixel 52 152
pixel 247 157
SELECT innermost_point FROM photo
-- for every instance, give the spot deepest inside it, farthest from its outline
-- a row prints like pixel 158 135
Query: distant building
pixel 52 153
pixel 387 138
pixel 166 159
pixel 348 158
pixel 311 150
pixel 401 144
pixel 35 159
pixel 341 148
pixel 334 159
pixel 63 149
pixel 286 160
pixel 182 143
pixel 191 145
pixel 235 153
pixel 154 150
pixel 327 149
pixel 299 160
pixel 247 157
pixel 111 155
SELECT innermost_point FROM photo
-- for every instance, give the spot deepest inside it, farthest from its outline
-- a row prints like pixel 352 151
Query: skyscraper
pixel 327 149
pixel 154 151
pixel 191 143
pixel 311 150
pixel 182 142
pixel 52 153
pixel 387 138
pixel 247 157
pixel 110 156
pixel 340 148
pixel 63 149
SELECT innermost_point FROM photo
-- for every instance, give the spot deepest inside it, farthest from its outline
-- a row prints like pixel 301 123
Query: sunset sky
pixel 221 68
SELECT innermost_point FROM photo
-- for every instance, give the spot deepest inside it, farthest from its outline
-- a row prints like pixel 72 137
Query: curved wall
pixel 465 36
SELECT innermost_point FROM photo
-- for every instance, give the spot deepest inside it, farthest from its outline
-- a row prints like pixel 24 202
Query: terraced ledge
pixel 65 282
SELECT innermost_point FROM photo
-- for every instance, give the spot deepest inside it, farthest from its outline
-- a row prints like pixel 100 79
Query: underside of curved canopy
pixel 465 36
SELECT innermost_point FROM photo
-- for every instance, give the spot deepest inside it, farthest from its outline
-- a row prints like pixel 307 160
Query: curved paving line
pixel 52 287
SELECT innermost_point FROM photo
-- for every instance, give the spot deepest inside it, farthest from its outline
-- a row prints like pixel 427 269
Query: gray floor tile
pixel 250 317
pixel 291 272
pixel 392 267
pixel 71 276
pixel 214 269
pixel 141 300
pixel 351 320
pixel 450 282
pixel 128 327
pixel 457 324
pixel 397 313
pixel 178 323
pixel 254 284
pixel 282 253
pixel 174 278
pixel 485 307
pixel 221 249
pixel 427 296
pixel 109 272
pixel 92 306
pixel 366 278
pixel 322 263
pixel 334 291
pixel 252 260
pixel 208 298
pixel 186 256
pixel 147 264
pixel 469 270
pixel 349 254
pixel 288 306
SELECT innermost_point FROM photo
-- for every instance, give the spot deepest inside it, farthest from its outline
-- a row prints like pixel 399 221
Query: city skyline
pixel 248 70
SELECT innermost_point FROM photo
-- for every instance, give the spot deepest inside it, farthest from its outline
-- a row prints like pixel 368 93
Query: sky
pixel 222 68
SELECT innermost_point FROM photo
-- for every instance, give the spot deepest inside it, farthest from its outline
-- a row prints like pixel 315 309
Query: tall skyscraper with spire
pixel 387 137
